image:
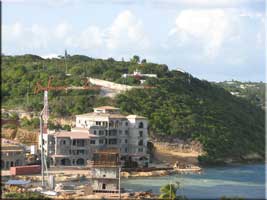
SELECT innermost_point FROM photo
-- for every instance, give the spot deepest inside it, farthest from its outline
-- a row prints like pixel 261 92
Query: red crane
pixel 45 112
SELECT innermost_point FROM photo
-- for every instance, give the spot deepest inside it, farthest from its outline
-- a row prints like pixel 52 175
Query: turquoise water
pixel 247 181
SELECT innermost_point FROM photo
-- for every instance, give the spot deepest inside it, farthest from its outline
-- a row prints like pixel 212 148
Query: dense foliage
pixel 25 195
pixel 183 106
pixel 254 92
pixel 180 105
pixel 169 192
pixel 21 73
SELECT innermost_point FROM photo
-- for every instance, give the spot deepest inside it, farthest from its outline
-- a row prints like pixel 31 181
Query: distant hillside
pixel 229 127
pixel 254 92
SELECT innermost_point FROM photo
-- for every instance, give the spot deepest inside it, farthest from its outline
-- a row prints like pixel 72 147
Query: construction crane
pixel 44 114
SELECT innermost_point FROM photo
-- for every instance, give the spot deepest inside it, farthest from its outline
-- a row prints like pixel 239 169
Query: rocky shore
pixel 154 173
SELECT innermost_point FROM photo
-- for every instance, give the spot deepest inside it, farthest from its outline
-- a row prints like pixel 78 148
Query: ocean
pixel 246 181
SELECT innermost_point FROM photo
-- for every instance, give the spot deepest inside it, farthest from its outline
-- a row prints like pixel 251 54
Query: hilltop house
pixel 104 128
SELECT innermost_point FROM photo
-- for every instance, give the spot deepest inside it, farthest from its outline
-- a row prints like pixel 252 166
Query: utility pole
pixel 120 182
pixel 65 58
pixel 42 150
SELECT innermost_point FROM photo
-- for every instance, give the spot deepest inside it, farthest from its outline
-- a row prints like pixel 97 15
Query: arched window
pixel 2 164
pixel 80 161
pixel 65 161
pixel 141 125
pixel 17 163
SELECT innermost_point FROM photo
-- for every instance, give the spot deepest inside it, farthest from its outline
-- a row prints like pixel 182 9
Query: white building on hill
pixel 137 73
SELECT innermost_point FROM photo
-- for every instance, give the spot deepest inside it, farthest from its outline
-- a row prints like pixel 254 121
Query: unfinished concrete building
pixel 12 154
pixel 105 170
pixel 104 128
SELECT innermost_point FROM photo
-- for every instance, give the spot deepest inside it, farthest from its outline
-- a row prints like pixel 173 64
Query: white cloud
pixel 62 30
pixel 207 3
pixel 34 36
pixel 126 31
pixel 87 39
pixel 49 56
pixel 12 31
pixel 123 35
pixel 204 29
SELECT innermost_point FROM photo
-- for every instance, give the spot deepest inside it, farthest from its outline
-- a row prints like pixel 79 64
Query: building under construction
pixel 105 171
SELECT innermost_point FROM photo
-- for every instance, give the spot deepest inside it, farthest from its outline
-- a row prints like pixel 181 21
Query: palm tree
pixel 169 192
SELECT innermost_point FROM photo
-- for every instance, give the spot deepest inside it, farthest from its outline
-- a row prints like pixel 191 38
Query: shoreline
pixel 165 172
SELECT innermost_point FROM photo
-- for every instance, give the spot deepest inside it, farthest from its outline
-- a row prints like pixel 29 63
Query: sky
pixel 213 40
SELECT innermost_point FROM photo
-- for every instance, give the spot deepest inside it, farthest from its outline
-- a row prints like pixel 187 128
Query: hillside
pixel 254 92
pixel 229 127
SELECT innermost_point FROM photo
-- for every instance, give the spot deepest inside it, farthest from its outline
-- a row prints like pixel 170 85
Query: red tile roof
pixel 75 135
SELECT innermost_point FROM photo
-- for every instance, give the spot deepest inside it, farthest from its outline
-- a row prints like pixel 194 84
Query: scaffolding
pixel 106 169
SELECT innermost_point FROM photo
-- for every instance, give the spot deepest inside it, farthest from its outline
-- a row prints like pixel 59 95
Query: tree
pixel 135 59
pixel 143 61
pixel 169 192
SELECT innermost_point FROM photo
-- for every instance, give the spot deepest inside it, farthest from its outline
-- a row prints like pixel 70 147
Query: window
pixel 112 141
pixel 80 143
pixel 94 132
pixel 126 132
pixel 105 124
pixel 92 141
pixel 113 132
pixel 141 143
pixel 64 142
pixel 126 141
pixel 140 149
pixel 140 133
pixel 74 142
pixel 120 132
pixel 141 125
pixel 101 141
pixel 111 124
pixel 126 150
pixel 116 124
pixel 80 152
pixel 126 123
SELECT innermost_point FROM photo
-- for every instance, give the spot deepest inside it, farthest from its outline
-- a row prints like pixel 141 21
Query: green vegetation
pixel 24 195
pixel 169 192
pixel 252 91
pixel 183 106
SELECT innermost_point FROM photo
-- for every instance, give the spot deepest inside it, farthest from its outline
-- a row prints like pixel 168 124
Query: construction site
pixel 89 160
